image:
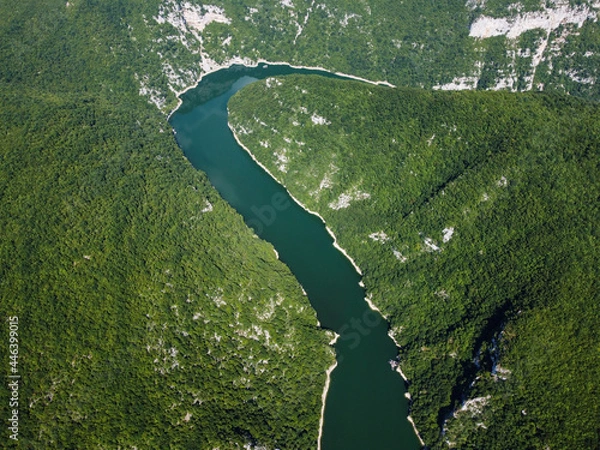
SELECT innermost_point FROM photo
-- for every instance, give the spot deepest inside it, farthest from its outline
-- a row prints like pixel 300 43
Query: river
pixel 365 408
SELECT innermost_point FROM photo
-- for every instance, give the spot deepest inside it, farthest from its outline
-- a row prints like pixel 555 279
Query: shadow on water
pixel 366 407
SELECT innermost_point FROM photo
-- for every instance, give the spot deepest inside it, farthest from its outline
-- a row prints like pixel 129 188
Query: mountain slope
pixel 448 44
pixel 107 232
pixel 472 216
pixel 149 315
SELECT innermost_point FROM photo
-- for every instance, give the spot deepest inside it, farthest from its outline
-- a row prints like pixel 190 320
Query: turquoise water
pixel 365 408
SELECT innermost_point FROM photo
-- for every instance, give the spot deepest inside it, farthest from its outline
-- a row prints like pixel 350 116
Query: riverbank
pixel 253 64
pixel 304 207
pixel 325 392
pixel 258 73
pixel 371 305
pixel 324 402
pixel 334 365
pixel 407 395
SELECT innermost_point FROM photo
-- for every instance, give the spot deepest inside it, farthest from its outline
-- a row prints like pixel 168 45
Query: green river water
pixel 365 408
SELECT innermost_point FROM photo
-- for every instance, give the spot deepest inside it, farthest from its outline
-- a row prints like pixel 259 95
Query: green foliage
pixel 408 43
pixel 107 259
pixel 472 218
pixel 149 314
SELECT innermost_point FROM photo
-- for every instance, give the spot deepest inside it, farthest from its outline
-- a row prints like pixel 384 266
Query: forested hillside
pixel 149 314
pixel 473 216
pixel 446 44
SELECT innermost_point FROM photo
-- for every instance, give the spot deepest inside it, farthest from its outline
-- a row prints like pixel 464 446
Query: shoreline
pixel 252 64
pixel 398 369
pixel 407 394
pixel 328 372
pixel 361 284
pixel 324 398
pixel 335 243
pixel 237 60
pixel 422 442
pixel 375 308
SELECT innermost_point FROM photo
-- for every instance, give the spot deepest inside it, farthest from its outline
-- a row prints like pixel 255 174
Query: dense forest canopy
pixel 137 287
pixel 473 217
pixel 448 44
pixel 149 314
